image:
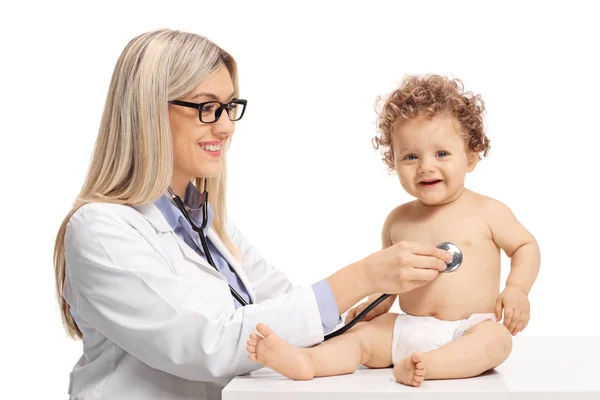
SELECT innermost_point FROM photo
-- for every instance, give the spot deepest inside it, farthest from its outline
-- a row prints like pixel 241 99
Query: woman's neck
pixel 178 187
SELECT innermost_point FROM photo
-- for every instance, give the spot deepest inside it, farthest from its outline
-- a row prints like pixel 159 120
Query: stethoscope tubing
pixel 200 231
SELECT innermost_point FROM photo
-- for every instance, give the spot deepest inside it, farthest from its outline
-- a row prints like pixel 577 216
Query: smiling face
pixel 431 158
pixel 197 146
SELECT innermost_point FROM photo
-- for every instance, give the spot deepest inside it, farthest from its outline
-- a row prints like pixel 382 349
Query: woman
pixel 133 278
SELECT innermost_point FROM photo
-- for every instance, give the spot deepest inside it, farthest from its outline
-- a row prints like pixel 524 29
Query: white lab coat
pixel 158 321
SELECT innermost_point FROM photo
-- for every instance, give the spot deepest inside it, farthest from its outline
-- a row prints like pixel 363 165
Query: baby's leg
pixel 483 347
pixel 367 343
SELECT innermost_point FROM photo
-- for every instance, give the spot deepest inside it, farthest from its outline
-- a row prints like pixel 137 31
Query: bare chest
pixel 473 287
pixel 470 232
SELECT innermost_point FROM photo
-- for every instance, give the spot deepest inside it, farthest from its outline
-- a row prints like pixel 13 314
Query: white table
pixel 546 368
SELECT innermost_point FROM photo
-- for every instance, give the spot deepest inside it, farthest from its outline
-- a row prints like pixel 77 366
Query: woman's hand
pixel 380 309
pixel 399 268
pixel 405 266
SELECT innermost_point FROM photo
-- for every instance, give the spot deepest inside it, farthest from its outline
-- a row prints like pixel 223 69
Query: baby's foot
pixel 411 371
pixel 273 352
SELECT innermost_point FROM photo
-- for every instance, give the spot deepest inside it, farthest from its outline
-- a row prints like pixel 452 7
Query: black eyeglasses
pixel 210 111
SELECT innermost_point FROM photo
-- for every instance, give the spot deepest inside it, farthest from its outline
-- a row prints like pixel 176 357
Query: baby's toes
pixel 417 358
pixel 417 380
pixel 264 330
pixel 251 347
pixel 254 336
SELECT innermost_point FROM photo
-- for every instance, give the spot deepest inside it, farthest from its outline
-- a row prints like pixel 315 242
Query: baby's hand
pixel 515 303
pixel 380 309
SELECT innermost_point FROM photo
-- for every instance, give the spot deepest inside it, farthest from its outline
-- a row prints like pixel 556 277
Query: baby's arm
pixel 517 243
pixel 522 248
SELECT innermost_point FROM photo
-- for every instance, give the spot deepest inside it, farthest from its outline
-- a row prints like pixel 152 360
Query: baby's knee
pixel 500 342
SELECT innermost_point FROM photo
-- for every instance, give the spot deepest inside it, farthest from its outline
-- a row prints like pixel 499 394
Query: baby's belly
pixel 455 295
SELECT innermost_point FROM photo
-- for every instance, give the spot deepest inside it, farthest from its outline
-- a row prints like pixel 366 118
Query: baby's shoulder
pixel 488 205
pixel 401 212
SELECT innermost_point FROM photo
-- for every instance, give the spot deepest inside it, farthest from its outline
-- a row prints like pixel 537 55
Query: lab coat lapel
pixel 158 221
pixel 233 262
pixel 194 257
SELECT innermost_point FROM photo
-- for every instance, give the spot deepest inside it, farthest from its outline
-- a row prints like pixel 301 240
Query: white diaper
pixel 422 334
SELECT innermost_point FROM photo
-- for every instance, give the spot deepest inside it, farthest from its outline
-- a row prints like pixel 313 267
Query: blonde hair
pixel 132 161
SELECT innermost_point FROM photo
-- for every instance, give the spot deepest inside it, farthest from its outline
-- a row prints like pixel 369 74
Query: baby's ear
pixel 472 160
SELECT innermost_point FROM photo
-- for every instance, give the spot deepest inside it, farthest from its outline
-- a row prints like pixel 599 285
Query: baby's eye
pixel 410 157
pixel 442 153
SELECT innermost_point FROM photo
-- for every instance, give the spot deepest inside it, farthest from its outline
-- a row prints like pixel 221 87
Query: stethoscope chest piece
pixel 456 253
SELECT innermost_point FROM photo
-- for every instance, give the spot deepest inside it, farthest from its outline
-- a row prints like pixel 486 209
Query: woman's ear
pixel 472 160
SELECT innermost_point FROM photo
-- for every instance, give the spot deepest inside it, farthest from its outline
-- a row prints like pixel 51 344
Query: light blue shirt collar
pixel 193 202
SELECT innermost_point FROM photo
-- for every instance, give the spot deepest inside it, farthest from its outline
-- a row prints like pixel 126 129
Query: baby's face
pixel 431 158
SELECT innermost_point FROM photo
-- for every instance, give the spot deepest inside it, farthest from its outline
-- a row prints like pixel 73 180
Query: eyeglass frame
pixel 218 111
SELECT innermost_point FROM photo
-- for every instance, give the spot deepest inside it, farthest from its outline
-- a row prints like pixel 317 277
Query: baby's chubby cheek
pixel 406 183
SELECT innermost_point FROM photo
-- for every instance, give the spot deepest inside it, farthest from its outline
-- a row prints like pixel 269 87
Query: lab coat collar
pixel 151 212
pixel 155 217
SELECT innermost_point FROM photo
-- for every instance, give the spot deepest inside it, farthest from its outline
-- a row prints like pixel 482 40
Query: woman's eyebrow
pixel 211 96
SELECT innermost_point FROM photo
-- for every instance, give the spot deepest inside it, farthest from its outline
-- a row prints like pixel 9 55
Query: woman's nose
pixel 223 126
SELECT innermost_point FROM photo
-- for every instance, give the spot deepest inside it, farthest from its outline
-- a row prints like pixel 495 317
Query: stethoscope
pixel 200 231
pixel 451 266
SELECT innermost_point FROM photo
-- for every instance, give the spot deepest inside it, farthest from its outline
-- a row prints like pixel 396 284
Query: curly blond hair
pixel 428 96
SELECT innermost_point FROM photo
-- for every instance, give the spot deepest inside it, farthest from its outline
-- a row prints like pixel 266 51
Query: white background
pixel 305 184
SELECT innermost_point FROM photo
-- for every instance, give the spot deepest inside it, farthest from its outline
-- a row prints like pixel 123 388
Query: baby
pixel 432 133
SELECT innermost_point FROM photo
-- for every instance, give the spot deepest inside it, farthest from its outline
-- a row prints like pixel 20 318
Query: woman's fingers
pixel 354 312
pixel 425 262
pixel 418 255
pixel 407 265
pixel 431 251
pixel 377 311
